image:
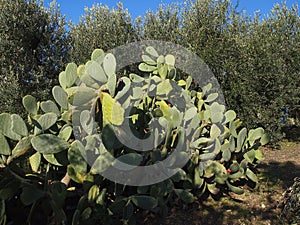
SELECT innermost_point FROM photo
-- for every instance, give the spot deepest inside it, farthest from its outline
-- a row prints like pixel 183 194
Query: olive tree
pixel 34 47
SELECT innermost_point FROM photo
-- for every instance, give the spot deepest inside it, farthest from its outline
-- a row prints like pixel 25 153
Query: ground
pixel 259 206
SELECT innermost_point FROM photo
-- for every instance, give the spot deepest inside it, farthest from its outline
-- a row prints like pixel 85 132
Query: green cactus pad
pixel 30 104
pixel 109 65
pixel 60 97
pixel 18 125
pixel 6 127
pixel 22 147
pixel 4 149
pixel 144 201
pixel 98 55
pixel 49 144
pixel 75 157
pixel 35 161
pixel 95 70
pixel 50 106
pixel 45 122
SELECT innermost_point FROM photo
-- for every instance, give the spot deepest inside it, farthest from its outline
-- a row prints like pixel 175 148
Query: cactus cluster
pixel 90 125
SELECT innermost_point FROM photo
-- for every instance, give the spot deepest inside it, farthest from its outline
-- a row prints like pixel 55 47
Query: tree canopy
pixel 34 47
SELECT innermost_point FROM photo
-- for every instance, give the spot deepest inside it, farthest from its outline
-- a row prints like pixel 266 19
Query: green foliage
pixel 253 58
pixel 222 154
pixel 255 61
pixel 163 24
pixel 236 47
pixel 34 48
pixel 100 27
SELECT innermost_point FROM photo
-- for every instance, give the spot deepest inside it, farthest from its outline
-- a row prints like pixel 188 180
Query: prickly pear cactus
pixel 62 136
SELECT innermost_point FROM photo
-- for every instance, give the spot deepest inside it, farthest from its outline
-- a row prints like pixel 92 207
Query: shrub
pixel 44 160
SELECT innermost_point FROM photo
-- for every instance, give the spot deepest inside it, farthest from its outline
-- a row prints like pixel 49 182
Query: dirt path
pixel 258 206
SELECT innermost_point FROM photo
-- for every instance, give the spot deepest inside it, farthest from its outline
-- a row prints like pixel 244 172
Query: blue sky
pixel 75 8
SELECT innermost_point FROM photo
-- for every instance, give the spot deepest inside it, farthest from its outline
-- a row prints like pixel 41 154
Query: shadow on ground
pixel 259 206
pixel 280 172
